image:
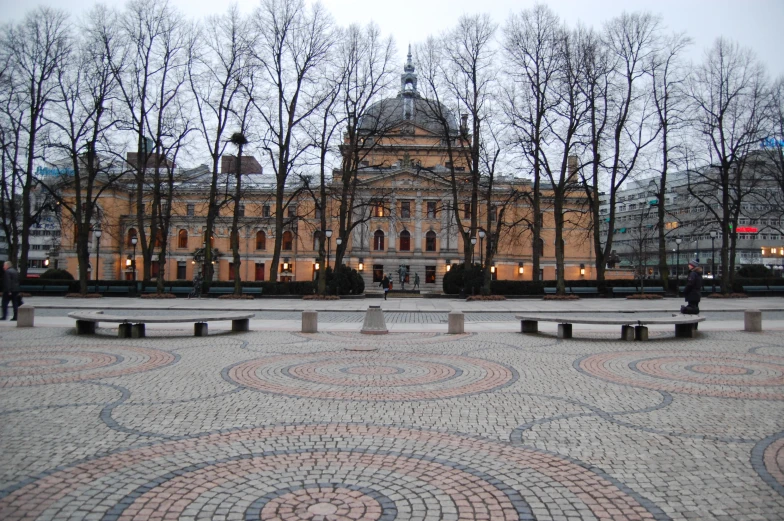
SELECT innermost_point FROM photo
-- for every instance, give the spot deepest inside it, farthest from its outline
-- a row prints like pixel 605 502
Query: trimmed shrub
pixel 56 274
pixel 467 278
pixel 344 281
pixel 755 271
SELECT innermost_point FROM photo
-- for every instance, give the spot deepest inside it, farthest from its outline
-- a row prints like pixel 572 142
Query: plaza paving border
pixel 554 442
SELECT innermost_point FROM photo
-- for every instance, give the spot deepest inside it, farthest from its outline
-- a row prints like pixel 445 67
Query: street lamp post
pixel 338 242
pixel 678 242
pixel 473 243
pixel 134 240
pixel 97 234
pixel 713 235
pixel 328 233
pixel 481 237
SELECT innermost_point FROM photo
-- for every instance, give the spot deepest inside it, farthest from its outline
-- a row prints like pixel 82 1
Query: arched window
pixel 405 241
pixel 182 239
pixel 430 241
pixel 261 240
pixel 131 235
pixel 316 241
pixel 288 241
pixel 378 240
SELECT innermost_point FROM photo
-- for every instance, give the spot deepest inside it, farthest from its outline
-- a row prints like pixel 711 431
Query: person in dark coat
pixel 693 290
pixel 10 289
pixel 385 284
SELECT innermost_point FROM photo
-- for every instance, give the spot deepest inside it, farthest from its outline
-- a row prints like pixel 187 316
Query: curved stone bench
pixel 631 328
pixel 133 326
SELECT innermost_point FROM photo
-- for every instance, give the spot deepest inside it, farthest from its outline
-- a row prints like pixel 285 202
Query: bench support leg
pixel 640 333
pixel 684 330
pixel 529 326
pixel 240 325
pixel 200 329
pixel 124 331
pixel 137 331
pixel 564 331
pixel 627 333
pixel 85 327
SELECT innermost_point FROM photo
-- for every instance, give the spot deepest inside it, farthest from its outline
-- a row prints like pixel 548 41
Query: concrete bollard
pixel 456 323
pixel 374 322
pixel 310 321
pixel 25 316
pixel 752 320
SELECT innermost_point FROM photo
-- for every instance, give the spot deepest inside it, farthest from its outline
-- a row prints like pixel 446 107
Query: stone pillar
pixel 529 326
pixel 139 330
pixel 200 329
pixel 752 320
pixel 564 331
pixel 640 333
pixel 25 316
pixel 374 322
pixel 124 330
pixel 456 323
pixel 627 332
pixel 310 321
pixel 240 325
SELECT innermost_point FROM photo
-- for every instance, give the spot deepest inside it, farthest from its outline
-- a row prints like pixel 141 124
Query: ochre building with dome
pixel 408 150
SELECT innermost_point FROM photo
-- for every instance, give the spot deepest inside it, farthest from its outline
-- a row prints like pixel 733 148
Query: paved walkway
pixel 276 424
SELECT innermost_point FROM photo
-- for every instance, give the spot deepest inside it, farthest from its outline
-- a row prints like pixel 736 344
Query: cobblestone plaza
pixel 412 425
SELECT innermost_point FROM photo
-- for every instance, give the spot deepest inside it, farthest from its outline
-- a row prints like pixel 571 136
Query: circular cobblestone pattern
pixel 341 375
pixel 728 375
pixel 327 472
pixel 61 364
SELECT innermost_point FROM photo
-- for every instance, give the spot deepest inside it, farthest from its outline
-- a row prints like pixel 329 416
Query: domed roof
pixel 409 106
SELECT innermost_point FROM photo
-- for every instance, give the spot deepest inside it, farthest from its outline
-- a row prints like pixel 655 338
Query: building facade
pixel 403 211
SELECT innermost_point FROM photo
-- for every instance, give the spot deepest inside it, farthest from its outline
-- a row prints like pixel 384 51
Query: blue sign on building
pixel 45 171
pixel 772 142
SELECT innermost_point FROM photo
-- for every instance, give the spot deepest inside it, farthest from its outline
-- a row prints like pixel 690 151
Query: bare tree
pixel 617 139
pixel 547 115
pixel 668 82
pixel 216 70
pixel 33 50
pixel 149 64
pixel 293 46
pixel 460 77
pixel 82 121
pixel 730 95
pixel 774 153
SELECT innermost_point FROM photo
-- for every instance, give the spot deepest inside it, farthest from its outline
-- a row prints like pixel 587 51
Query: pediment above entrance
pixel 404 178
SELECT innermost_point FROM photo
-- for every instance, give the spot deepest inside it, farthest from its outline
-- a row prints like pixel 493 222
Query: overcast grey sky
pixel 757 24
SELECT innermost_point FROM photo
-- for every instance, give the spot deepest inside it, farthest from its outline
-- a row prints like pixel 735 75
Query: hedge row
pixel 269 288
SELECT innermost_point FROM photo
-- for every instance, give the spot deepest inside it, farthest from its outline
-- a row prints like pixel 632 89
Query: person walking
pixel 692 291
pixel 385 282
pixel 10 289
pixel 416 280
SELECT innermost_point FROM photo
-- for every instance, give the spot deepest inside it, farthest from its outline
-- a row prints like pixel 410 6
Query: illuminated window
pixel 182 239
pixel 288 241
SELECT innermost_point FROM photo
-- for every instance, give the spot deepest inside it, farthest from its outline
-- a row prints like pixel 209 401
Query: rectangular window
pixel 231 271
pixel 181 266
pixel 265 210
pixel 190 209
pixel 430 274
pixel 378 209
pixel 241 210
pixel 292 210
pixel 405 209
pixel 155 268
pixel 466 210
pixel 405 242
pixel 493 214
pixel 378 272
pixel 259 271
pixel 317 213
pixel 431 209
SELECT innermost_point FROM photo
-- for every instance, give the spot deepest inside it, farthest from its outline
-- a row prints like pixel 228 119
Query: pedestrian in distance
pixel 10 289
pixel 416 280
pixel 692 291
pixel 385 283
